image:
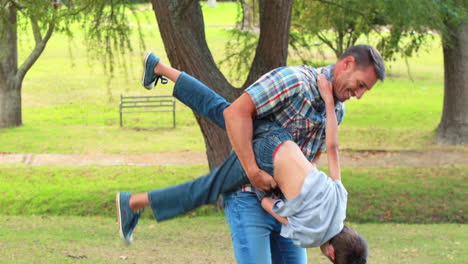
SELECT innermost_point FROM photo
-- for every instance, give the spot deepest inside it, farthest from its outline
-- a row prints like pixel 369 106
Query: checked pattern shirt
pixel 290 97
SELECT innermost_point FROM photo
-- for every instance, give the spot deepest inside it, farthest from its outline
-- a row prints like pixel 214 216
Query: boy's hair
pixel 350 247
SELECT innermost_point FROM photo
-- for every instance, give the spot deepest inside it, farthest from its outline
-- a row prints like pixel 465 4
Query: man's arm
pixel 331 130
pixel 239 126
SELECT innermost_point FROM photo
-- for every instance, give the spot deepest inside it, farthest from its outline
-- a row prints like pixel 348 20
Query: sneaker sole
pixel 119 217
pixel 144 66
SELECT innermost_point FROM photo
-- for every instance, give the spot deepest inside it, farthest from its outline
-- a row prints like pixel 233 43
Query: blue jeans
pixel 256 234
pixel 175 200
pixel 169 202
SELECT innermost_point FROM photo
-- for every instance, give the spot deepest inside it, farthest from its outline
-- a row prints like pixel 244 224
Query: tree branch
pixel 36 30
pixel 327 42
pixel 38 49
pixel 16 4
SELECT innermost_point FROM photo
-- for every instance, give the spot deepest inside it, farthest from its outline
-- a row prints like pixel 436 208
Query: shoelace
pixel 163 79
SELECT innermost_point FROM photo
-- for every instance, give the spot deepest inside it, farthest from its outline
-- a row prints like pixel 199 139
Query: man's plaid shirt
pixel 290 97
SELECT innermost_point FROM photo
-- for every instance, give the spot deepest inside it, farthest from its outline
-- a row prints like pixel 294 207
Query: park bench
pixel 143 104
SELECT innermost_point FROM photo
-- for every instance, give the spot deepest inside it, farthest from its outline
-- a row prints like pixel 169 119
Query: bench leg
pixel 173 116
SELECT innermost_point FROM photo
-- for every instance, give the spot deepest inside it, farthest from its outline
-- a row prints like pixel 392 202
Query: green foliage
pixel 337 24
pixel 241 47
pixel 240 53
pixel 108 25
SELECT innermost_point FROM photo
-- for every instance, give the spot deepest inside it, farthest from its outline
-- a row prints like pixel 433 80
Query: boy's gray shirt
pixel 317 213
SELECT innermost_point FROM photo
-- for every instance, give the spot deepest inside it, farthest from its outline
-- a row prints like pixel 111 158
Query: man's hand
pixel 261 180
pixel 325 88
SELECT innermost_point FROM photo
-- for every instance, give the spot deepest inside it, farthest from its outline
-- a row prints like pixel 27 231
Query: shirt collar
pixel 328 71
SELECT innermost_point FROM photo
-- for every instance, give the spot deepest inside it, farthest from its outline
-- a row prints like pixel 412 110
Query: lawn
pixel 406 195
pixel 202 240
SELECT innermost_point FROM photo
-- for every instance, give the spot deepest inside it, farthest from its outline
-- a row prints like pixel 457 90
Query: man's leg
pixel 250 226
pixel 283 249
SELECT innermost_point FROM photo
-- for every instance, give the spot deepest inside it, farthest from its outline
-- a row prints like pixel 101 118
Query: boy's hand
pixel 325 88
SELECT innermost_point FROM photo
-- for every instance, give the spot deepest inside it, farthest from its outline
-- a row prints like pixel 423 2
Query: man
pixel 290 97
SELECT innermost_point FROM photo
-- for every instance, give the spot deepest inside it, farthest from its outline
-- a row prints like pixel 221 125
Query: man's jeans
pixel 227 178
pixel 256 234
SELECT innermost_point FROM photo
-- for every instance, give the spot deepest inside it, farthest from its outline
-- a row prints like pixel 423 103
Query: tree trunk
pixel 453 127
pixel 10 85
pixel 182 30
pixel 272 48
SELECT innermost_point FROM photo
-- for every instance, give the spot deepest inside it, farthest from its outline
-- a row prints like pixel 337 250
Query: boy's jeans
pixel 227 178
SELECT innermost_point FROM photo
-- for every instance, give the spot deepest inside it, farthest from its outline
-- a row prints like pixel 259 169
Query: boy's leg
pixel 188 90
pixel 175 200
pixel 201 99
pixel 172 201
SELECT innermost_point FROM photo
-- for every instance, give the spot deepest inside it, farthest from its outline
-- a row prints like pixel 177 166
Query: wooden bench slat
pixel 144 103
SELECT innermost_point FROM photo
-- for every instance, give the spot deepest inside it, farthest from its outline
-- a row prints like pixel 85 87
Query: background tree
pixel 336 24
pixel 11 76
pixel 339 24
pixel 453 127
pixel 105 22
pixel 182 30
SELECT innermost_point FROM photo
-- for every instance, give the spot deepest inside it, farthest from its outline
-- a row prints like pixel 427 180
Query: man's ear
pixel 349 63
pixel 331 251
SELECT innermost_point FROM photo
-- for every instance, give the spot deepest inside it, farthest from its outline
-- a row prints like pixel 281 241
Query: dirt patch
pixel 348 158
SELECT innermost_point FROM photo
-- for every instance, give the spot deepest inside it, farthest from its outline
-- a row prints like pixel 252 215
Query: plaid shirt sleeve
pixel 274 90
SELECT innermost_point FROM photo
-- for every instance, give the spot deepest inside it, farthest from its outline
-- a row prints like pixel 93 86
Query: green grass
pixel 410 195
pixel 70 105
pixel 30 239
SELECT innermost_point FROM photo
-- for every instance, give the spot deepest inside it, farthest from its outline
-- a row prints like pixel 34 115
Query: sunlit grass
pixel 376 194
pixel 200 240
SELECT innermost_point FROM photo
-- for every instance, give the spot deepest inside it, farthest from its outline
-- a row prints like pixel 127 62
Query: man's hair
pixel 365 56
pixel 350 247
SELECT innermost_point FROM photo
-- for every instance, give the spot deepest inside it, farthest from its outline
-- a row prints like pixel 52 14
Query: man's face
pixel 353 82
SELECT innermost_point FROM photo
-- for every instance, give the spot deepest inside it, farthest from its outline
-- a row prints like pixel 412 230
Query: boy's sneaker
pixel 126 218
pixel 150 79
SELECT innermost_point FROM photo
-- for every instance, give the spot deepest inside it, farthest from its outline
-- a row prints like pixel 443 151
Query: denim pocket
pixel 264 148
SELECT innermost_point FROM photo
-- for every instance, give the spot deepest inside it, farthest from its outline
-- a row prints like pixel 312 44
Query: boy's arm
pixel 267 204
pixel 331 130
pixel 316 158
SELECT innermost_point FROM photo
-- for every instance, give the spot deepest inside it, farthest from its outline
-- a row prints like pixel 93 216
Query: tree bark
pixel 10 86
pixel 272 48
pixel 182 30
pixel 453 127
pixel 11 77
